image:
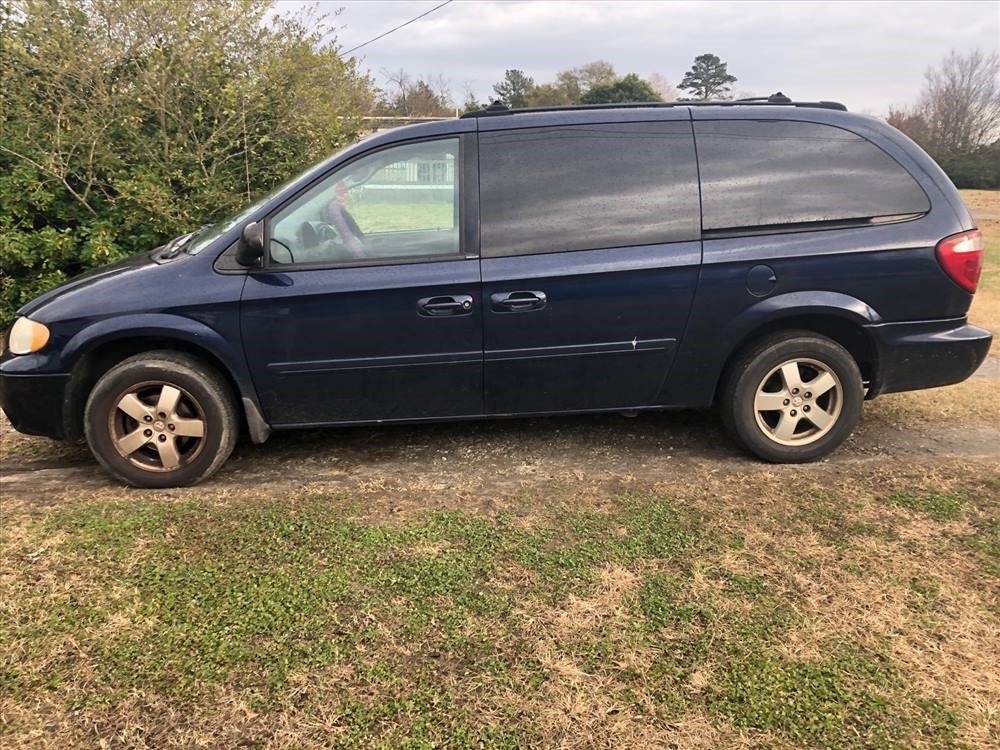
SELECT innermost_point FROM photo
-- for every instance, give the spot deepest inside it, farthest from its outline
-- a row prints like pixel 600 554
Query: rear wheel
pixel 161 419
pixel 793 397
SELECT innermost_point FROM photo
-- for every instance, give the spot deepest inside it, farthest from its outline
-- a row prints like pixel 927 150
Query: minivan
pixel 782 261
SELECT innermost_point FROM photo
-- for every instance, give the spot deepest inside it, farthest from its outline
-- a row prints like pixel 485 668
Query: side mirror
pixel 251 246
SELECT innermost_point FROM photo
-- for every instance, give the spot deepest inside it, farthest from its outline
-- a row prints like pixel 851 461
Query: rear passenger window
pixel 773 173
pixel 582 187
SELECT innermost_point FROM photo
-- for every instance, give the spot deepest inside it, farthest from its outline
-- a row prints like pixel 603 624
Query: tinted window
pixel 399 202
pixel 759 173
pixel 582 187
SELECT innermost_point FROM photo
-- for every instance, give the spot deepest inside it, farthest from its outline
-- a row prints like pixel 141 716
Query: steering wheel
pixel 314 233
pixel 287 249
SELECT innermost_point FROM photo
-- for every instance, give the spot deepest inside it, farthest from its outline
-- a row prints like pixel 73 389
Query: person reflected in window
pixel 347 228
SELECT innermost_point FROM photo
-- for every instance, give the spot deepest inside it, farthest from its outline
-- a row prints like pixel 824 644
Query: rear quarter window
pixel 583 187
pixel 758 173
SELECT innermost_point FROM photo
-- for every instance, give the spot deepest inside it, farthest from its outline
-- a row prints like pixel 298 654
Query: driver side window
pixel 396 203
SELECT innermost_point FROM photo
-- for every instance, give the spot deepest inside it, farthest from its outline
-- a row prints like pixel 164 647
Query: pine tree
pixel 708 78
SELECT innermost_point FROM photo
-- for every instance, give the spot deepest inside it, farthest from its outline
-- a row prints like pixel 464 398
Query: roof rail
pixel 778 99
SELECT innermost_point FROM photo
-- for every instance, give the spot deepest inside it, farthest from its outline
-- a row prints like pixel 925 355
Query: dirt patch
pixel 489 464
pixel 990 368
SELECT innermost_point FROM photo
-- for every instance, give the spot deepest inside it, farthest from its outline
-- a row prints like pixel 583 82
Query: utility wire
pixel 380 36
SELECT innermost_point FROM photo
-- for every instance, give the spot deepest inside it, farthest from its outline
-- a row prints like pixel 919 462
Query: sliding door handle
pixel 517 301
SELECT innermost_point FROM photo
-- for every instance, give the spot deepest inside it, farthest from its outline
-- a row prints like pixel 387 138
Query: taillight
pixel 961 257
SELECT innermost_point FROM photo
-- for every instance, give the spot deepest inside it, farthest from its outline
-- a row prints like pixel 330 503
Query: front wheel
pixel 161 419
pixel 792 398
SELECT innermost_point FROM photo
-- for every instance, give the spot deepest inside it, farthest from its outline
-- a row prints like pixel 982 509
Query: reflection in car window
pixel 758 173
pixel 583 187
pixel 213 231
pixel 399 202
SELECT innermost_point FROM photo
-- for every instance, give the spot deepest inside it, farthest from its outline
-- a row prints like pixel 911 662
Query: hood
pixel 141 264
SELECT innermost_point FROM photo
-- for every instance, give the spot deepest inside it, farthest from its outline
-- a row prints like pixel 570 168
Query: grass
pixel 939 506
pixel 302 621
pixel 376 216
pixel 985 311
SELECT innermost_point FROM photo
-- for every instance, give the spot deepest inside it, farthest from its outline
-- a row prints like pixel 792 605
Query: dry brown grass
pixel 982 202
pixel 972 403
pixel 985 311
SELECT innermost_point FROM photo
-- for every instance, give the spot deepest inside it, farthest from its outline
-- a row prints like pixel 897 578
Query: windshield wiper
pixel 185 241
pixel 173 248
pixel 181 242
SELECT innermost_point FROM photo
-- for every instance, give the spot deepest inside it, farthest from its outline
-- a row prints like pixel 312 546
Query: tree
pixel 957 118
pixel 663 87
pixel 570 85
pixel 960 103
pixel 549 95
pixel 403 97
pixel 515 88
pixel 910 122
pixel 708 78
pixel 126 123
pixel 471 102
pixel 631 88
pixel 585 77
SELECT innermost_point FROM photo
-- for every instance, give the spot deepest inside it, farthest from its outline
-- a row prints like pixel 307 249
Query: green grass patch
pixel 985 543
pixel 833 521
pixel 384 216
pixel 923 595
pixel 828 703
pixel 938 505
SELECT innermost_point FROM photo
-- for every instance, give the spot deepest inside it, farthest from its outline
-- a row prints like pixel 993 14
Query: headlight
pixel 27 336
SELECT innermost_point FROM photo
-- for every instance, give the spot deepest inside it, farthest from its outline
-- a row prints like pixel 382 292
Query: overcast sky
pixel 868 55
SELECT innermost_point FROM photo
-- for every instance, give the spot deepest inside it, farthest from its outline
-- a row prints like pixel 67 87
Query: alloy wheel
pixel 157 426
pixel 798 402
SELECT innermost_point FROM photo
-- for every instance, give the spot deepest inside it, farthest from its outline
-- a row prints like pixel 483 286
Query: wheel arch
pixel 95 350
pixel 838 317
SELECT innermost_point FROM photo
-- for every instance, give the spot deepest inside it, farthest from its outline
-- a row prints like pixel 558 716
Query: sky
pixel 868 55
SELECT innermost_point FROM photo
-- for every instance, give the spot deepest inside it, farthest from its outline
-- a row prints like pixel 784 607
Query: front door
pixel 591 254
pixel 368 307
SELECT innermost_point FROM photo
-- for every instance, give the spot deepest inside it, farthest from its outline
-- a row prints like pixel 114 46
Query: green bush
pixel 979 170
pixel 123 124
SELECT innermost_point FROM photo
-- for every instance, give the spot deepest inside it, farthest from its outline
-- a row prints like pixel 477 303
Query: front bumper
pixel 926 354
pixel 35 404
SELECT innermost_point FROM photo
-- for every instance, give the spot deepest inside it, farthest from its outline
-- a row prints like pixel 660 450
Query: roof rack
pixel 778 99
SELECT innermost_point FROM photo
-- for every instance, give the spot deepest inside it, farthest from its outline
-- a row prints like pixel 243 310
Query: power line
pixel 380 36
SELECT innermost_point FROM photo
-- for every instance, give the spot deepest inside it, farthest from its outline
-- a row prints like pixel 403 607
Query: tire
pixel 142 420
pixel 784 421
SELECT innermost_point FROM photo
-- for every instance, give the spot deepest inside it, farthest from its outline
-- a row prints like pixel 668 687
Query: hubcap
pixel 798 402
pixel 157 426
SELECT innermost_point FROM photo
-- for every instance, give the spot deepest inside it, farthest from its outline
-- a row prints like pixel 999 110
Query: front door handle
pixel 517 301
pixel 451 304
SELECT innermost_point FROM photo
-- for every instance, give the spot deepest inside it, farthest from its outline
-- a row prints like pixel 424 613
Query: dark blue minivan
pixel 782 260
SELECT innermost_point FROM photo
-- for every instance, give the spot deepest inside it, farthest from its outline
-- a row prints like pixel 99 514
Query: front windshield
pixel 212 232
